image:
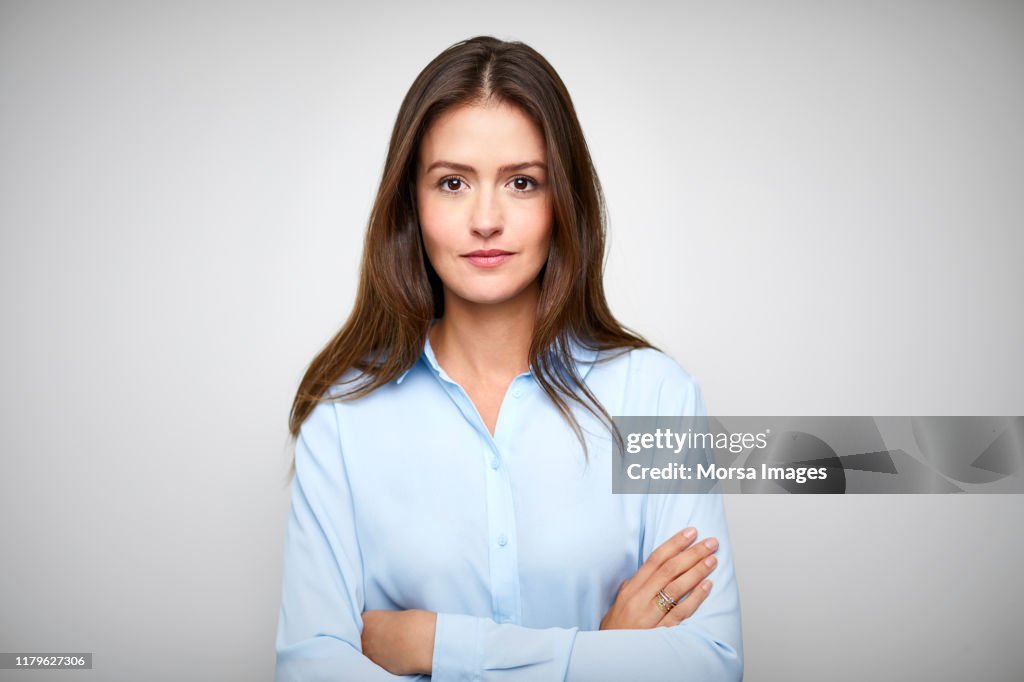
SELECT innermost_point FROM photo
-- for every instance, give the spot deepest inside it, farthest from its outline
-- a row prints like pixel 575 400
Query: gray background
pixel 815 208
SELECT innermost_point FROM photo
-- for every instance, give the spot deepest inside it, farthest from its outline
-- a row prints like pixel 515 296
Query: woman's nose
pixel 487 217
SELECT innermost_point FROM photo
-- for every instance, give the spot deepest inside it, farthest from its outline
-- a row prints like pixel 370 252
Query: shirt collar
pixel 584 357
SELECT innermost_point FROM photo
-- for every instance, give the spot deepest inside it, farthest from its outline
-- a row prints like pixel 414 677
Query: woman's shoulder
pixel 651 374
pixel 645 364
pixel 345 389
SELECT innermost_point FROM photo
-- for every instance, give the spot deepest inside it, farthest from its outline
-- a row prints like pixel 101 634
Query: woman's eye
pixel 451 184
pixel 523 184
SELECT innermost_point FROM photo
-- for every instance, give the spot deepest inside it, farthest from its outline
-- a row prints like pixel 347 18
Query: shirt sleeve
pixel 706 646
pixel 319 633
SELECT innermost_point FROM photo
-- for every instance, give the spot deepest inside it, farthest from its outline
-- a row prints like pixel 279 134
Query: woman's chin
pixel 491 296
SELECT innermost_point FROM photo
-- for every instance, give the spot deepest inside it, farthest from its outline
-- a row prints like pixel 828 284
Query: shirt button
pixel 517 392
pixel 502 539
pixel 495 462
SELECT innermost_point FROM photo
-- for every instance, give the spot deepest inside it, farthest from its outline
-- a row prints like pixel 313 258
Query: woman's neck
pixel 485 342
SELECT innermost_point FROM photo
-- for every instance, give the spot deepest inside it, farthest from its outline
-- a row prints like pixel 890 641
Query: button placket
pixel 501 521
pixel 504 560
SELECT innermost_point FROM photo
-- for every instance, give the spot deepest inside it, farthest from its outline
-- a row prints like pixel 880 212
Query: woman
pixel 452 513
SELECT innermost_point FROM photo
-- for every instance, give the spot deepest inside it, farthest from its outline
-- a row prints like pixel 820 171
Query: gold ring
pixel 665 602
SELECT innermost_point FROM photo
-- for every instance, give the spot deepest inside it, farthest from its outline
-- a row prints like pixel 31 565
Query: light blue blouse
pixel 402 499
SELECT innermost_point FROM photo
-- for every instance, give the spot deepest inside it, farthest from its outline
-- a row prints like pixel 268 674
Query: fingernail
pixel 710 561
pixel 706 585
pixel 690 533
pixel 711 543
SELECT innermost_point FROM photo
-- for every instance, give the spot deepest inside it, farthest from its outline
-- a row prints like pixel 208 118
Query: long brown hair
pixel 399 292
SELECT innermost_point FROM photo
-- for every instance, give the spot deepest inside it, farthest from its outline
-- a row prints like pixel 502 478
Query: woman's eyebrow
pixel 469 169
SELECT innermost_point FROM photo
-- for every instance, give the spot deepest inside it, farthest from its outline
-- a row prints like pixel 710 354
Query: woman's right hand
pixel 675 567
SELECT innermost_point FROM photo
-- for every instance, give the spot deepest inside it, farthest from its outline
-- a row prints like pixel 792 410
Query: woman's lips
pixel 488 258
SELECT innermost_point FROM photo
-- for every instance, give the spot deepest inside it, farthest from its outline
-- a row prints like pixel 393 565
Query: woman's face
pixel 484 202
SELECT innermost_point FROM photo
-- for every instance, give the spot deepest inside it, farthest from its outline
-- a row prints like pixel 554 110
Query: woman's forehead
pixel 483 135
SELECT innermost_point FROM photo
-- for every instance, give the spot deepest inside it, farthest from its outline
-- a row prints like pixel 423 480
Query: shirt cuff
pixel 458 648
